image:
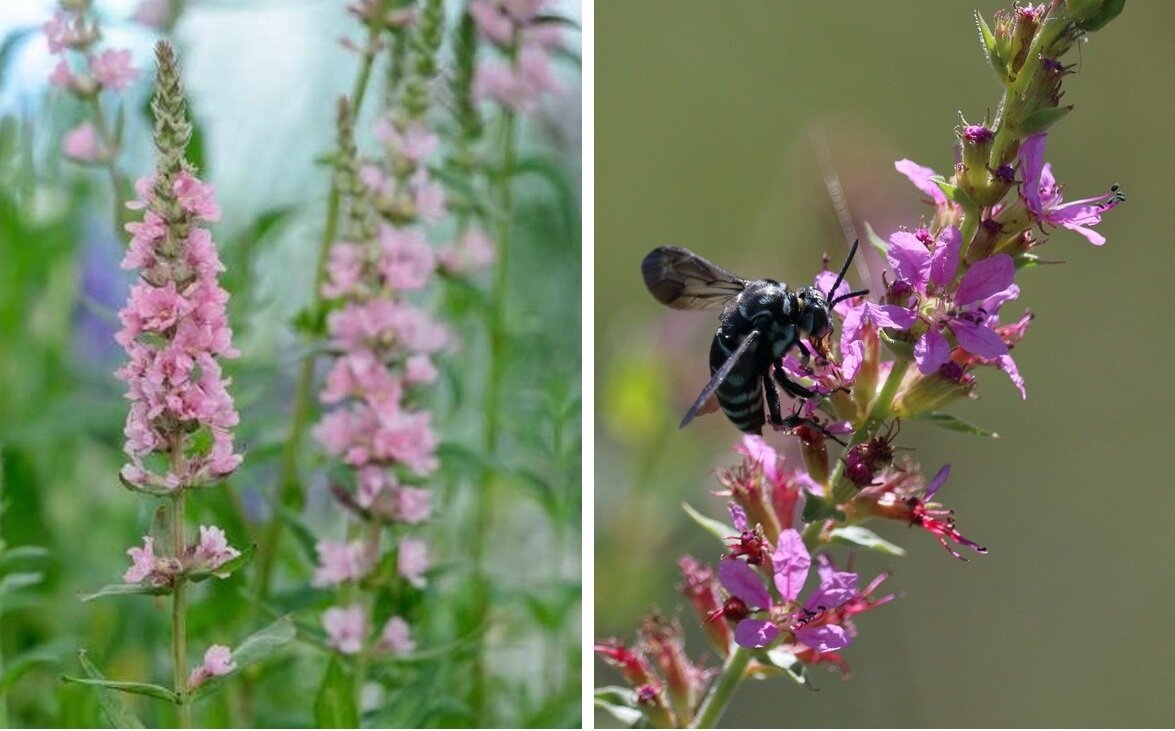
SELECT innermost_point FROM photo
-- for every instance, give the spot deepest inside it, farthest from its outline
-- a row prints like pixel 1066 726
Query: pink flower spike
pixel 112 69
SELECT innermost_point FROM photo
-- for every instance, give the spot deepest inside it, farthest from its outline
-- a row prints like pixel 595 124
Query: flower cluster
pixel 519 79
pixel 907 351
pixel 85 71
pixel 383 344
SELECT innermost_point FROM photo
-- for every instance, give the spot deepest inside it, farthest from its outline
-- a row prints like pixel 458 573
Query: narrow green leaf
pixel 335 705
pixel 620 703
pixel 855 535
pixel 20 580
pixel 21 664
pixel 990 48
pixel 253 649
pixel 127 686
pixel 1042 119
pixel 880 245
pixel 954 423
pixel 716 528
pixel 1026 260
pixel 22 553
pixel 302 534
pixel 124 590
pixel 114 711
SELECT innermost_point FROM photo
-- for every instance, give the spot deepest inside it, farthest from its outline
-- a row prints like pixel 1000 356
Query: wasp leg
pixel 773 412
pixel 792 388
pixel 805 356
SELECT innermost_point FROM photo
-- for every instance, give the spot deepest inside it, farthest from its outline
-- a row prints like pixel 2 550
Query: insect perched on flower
pixel 761 321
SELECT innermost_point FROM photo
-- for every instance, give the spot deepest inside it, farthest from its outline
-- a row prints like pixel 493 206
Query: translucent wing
pixel 718 377
pixel 685 281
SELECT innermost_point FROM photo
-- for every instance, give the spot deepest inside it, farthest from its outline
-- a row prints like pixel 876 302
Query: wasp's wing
pixel 718 377
pixel 685 281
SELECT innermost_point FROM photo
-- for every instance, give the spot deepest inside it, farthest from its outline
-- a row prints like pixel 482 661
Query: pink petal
pixel 944 262
pixel 890 316
pixel 755 633
pixel 1007 365
pixel 936 482
pixel 909 258
pixel 920 176
pixel 985 278
pixel 931 352
pixel 825 638
pixel 1031 160
pixel 791 562
pixel 741 581
pixel 978 340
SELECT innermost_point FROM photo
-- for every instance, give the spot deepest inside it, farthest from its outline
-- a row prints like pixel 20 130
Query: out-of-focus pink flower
pixel 112 69
pixel 153 14
pixel 412 504
pixel 473 253
pixel 339 562
pixel 412 561
pixel 407 261
pixel 62 76
pixel 62 31
pixel 346 628
pixel 81 144
pixel 419 369
pixel 396 637
pixel 142 561
pixel 218 660
pixel 517 87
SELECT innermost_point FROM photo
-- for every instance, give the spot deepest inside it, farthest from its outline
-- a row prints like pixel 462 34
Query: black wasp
pixel 761 322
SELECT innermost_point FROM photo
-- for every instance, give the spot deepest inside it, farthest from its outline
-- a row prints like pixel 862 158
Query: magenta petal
pixel 837 588
pixel 936 482
pixel 755 633
pixel 851 359
pixel 921 178
pixel 909 258
pixel 742 582
pixel 992 304
pixel 890 316
pixel 825 638
pixel 944 262
pixel 1007 365
pixel 931 352
pixel 978 340
pixel 985 278
pixel 824 282
pixel 791 562
pixel 738 515
pixel 1032 160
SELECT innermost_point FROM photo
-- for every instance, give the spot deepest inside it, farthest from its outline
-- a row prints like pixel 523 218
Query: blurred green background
pixel 705 113
pixel 262 77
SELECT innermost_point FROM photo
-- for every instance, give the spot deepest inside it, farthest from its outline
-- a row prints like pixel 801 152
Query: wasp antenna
pixel 843 270
pixel 850 295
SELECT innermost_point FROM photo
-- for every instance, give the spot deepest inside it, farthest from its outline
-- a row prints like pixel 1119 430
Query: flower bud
pixel 701 588
pixel 930 393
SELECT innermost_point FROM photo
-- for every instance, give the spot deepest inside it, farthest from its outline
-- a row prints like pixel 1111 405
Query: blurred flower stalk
pixel 907 353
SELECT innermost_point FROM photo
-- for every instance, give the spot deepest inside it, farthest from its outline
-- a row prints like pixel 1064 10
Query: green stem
pixel 179 610
pixel 723 689
pixel 289 488
pixel 493 417
pixel 117 181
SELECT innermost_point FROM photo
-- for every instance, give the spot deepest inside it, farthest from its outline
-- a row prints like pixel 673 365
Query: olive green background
pixel 704 119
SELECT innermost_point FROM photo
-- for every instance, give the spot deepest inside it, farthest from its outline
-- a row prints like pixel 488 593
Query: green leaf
pixel 124 590
pixel 620 703
pixel 127 686
pixel 880 245
pixel 114 711
pixel 556 177
pixel 335 705
pixel 304 537
pixel 990 48
pixel 855 535
pixel 226 568
pixel 253 649
pixel 954 423
pixel 21 664
pixel 20 580
pixel 22 553
pixel 716 528
pixel 1026 260
pixel 1042 119
pixel 785 661
pixel 1110 10
pixel 960 196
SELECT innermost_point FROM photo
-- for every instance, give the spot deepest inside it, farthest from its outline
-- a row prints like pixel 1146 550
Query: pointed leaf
pixel 880 245
pixel 21 664
pixel 22 553
pixel 954 423
pixel 335 705
pixel 855 535
pixel 127 686
pixel 620 703
pixel 124 590
pixel 717 528
pixel 114 711
pixel 20 580
pixel 1042 119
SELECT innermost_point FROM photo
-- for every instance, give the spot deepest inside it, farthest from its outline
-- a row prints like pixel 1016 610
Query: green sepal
pixel 114 711
pixel 253 649
pixel 125 590
pixel 991 48
pixel 226 568
pixel 954 423
pixel 818 508
pixel 1042 119
pixel 334 706
pixel 716 528
pixel 861 537
pixel 620 703
pixel 1028 260
pixel 959 196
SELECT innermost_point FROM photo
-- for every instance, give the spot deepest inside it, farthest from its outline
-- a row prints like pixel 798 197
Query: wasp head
pixel 814 315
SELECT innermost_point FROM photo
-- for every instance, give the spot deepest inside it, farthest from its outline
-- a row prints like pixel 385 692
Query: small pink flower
pixel 474 252
pixel 62 31
pixel 213 549
pixel 112 69
pixel 346 628
pixel 81 144
pixel 195 197
pixel 419 369
pixel 62 76
pixel 340 562
pixel 412 504
pixel 407 261
pixel 396 637
pixel 412 561
pixel 142 561
pixel 218 660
